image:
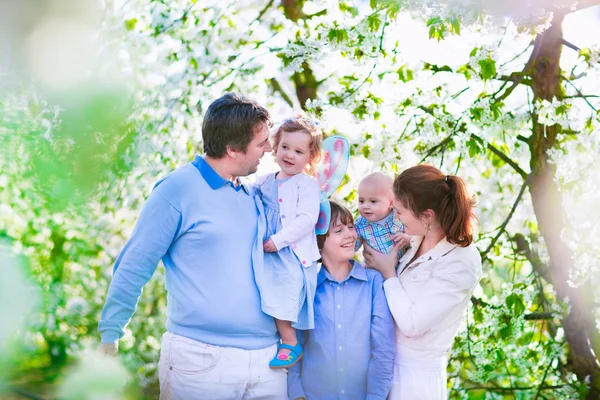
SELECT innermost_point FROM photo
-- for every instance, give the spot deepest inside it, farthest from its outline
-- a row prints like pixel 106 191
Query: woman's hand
pixel 384 263
pixel 269 246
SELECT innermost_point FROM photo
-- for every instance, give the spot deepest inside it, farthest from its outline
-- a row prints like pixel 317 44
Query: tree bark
pixel 304 81
pixel 579 324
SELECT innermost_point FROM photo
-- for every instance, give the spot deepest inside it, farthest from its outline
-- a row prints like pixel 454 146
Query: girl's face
pixel 339 244
pixel 293 153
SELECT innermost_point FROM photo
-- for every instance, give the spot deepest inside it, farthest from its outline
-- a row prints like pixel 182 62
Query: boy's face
pixel 340 240
pixel 375 201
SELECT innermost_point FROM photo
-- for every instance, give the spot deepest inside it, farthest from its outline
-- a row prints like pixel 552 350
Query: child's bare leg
pixel 287 333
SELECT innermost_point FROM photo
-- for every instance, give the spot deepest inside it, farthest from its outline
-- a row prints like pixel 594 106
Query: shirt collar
pixel 214 180
pixel 357 272
pixel 441 249
pixel 387 220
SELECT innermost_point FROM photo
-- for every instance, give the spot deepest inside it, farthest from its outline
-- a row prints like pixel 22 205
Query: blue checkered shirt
pixel 378 234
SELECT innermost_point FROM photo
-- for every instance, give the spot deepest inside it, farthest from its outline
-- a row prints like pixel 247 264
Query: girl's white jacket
pixel 299 199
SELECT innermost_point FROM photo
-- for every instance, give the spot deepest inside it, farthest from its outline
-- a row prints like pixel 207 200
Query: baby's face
pixel 375 201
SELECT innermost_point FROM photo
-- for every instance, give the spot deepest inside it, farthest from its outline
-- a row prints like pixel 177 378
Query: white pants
pixel 190 370
pixel 419 379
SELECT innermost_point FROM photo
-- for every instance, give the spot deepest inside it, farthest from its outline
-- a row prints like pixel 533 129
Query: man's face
pixel 247 163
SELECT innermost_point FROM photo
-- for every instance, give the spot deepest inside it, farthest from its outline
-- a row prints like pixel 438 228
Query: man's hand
pixel 269 246
pixel 109 349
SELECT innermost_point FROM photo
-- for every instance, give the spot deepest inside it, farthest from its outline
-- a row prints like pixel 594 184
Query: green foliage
pixel 75 171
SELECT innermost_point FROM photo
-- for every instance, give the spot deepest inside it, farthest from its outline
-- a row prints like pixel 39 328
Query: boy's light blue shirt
pixel 203 228
pixel 350 353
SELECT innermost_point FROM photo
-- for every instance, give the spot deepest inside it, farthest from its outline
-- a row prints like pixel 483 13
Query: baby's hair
pixel 305 125
pixel 338 213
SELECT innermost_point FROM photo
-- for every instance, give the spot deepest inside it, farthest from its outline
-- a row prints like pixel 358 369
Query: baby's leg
pixel 287 333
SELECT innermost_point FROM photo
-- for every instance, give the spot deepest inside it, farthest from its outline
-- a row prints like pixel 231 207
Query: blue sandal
pixel 287 360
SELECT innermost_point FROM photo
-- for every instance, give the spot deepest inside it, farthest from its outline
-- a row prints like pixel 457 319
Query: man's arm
pixel 295 389
pixel 158 225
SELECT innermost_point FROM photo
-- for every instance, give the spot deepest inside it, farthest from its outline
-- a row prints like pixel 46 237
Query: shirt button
pixel 339 326
pixel 280 200
pixel 303 262
pixel 283 216
pixel 339 306
pixel 338 288
pixel 342 391
pixel 341 369
pixel 414 277
pixel 340 347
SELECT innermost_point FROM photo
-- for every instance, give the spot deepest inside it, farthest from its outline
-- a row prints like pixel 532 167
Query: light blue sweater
pixel 203 229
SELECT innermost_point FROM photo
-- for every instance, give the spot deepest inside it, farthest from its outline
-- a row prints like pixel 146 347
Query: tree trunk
pixel 579 324
pixel 304 81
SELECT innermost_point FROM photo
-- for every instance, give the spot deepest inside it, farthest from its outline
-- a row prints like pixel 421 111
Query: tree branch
pixel 276 86
pixel 263 11
pixel 185 13
pixel 570 45
pixel 581 95
pixel 508 218
pixel 586 4
pixel 507 160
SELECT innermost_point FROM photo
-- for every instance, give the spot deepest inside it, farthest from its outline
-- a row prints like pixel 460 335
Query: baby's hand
pixel 402 239
pixel 269 246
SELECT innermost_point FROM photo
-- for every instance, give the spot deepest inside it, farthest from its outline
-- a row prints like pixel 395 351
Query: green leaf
pixel 130 24
pixel 434 21
pixel 515 304
pixel 366 151
pixel 374 22
pixel 488 68
pixel 338 35
pixel 405 74
pixel 194 63
pixel 455 25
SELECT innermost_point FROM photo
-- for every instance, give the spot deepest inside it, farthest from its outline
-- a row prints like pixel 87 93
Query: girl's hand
pixel 401 239
pixel 269 246
pixel 384 263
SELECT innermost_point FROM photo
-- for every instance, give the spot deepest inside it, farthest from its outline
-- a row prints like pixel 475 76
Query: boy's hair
pixel 231 121
pixel 305 125
pixel 338 213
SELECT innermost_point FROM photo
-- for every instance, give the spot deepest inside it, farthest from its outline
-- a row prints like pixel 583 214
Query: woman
pixel 429 291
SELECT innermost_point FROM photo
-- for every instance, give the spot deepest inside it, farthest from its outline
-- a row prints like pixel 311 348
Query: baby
pixel 376 225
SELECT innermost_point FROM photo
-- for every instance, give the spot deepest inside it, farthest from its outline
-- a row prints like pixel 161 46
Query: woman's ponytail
pixel 425 187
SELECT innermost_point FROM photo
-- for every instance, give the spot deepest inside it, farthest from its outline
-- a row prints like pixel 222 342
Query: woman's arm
pixel 381 364
pixel 307 214
pixel 449 286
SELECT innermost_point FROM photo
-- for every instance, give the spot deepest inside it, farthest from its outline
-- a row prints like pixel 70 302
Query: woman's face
pixel 413 225
pixel 339 244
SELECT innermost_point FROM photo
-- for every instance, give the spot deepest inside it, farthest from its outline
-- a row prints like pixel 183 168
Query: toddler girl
pixel 290 197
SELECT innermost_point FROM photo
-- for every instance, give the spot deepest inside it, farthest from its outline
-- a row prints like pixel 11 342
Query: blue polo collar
pixel 214 180
pixel 357 272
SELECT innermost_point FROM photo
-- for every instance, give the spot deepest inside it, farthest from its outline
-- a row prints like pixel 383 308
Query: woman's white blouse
pixel 428 300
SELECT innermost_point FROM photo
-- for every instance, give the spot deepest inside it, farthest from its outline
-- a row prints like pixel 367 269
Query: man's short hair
pixel 231 121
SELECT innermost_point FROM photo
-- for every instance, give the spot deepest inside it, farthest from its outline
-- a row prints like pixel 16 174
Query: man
pixel 202 222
